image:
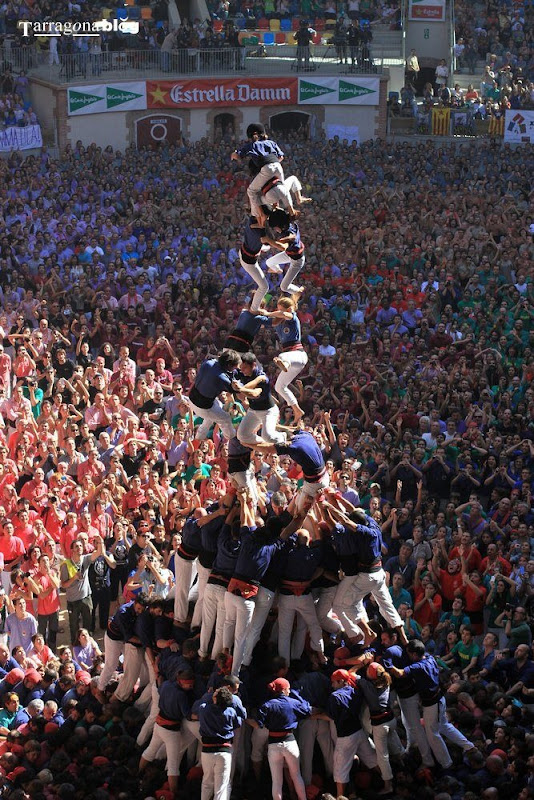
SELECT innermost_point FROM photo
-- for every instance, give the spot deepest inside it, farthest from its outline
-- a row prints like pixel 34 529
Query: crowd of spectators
pixel 371 10
pixel 494 27
pixel 119 275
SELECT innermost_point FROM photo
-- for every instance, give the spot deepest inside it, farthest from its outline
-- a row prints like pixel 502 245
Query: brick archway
pixel 316 115
pixel 211 116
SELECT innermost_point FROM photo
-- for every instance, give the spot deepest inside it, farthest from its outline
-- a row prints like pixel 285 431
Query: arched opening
pixel 224 128
pixel 156 130
pixel 291 124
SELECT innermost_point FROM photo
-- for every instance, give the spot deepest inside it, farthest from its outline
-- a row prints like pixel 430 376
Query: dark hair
pixel 255 128
pixel 248 358
pixel 229 359
pixel 225 698
pixel 416 647
pixel 279 218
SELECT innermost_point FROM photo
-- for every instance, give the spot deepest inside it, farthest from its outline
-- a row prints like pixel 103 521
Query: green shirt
pixel 465 653
pixel 38 395
pixel 205 471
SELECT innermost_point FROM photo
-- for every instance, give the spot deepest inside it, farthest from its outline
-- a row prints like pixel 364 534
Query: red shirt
pixel 11 547
pixel 450 583
pixel 425 615
pixel 51 603
pixel 473 559
pixel 499 565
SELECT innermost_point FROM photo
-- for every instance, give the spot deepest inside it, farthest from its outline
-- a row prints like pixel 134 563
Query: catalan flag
pixel 496 126
pixel 441 118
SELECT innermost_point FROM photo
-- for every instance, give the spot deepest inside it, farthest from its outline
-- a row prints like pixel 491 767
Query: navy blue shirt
pixel 369 541
pixel 261 152
pixel 121 625
pixel 227 552
pixel 191 543
pixel 302 562
pixel 217 724
pixel 397 657
pixel 250 323
pixel 264 400
pixel 255 555
pixel 288 331
pixel 8 666
pixel 145 629
pixel 238 456
pixel 425 674
pixel 175 703
pixel 305 451
pixel 209 534
pixel 314 687
pixel 211 380
pixel 344 707
pixel 283 713
pixel 252 243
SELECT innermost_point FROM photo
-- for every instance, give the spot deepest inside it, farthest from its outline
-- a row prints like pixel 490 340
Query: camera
pixel 508 607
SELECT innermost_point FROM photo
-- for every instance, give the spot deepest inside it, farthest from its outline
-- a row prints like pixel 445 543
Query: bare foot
pixel 280 364
pixel 275 269
pixel 305 199
pixel 401 633
pixel 298 413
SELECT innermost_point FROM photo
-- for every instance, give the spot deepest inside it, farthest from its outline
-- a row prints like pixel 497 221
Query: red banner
pixel 222 92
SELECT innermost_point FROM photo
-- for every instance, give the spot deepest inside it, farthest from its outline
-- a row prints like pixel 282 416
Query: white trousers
pixel 434 718
pixel 345 607
pixel 375 583
pixel 134 662
pixel 386 741
pixel 296 265
pixel 112 652
pixel 346 747
pixel 451 733
pixel 266 420
pixel 151 693
pixel 258 276
pixel 280 755
pixel 267 172
pixel 278 195
pixel 202 580
pixel 246 479
pixel 415 733
pixel 288 607
pixel 213 614
pixel 216 769
pixel 259 739
pixel 170 740
pixel 311 490
pixel 211 416
pixel 239 613
pixel 183 572
pixel 324 600
pixel 295 361
pixel 308 731
pixel 262 605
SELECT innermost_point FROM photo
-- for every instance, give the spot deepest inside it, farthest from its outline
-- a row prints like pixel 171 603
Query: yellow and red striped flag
pixel 441 118
pixel 496 126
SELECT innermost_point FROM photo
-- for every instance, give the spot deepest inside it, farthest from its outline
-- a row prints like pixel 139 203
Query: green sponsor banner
pixel 80 100
pixel 103 97
pixel 117 97
pixel 309 90
pixel 339 91
pixel 348 92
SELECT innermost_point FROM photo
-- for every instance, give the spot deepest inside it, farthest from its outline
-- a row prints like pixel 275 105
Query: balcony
pixel 132 64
